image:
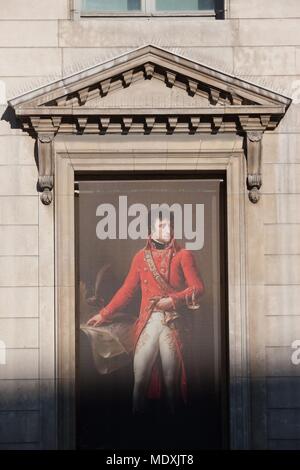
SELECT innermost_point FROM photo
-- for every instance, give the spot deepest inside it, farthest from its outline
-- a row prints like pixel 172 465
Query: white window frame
pixel 148 9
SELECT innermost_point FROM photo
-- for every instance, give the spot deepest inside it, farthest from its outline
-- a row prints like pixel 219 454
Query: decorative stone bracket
pixel 254 157
pixel 46 166
pixel 46 173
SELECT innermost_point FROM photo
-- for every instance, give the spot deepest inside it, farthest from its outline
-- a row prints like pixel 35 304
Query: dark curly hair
pixel 160 213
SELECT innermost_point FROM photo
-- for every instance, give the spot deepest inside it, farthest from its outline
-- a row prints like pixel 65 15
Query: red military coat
pixel 177 266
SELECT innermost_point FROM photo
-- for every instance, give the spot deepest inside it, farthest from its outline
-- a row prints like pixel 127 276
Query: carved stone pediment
pixel 150 82
pixel 147 94
pixel 151 90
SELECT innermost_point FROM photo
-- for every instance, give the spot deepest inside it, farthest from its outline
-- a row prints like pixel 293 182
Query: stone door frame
pixel 99 118
pixel 95 155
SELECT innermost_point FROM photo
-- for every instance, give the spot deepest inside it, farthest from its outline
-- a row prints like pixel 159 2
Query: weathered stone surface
pixel 282 330
pixel 281 178
pixel 18 240
pixel 281 208
pixel 261 48
pixel 291 123
pixel 19 271
pixel 283 392
pixel 21 446
pixel 19 332
pixel 281 148
pixel 288 85
pixel 282 269
pixel 94 55
pixel 279 33
pixel 18 180
pixel 19 426
pixel 19 210
pixel 21 364
pixel 19 395
pixel 5 127
pixel 133 33
pixel 46 241
pixel 265 60
pixel 282 300
pixel 282 239
pixel 284 424
pixel 279 362
pixel 47 333
pixel 298 58
pixel 30 61
pixel 16 150
pixel 265 9
pixel 284 444
pixel 13 86
pixel 35 9
pixel 19 302
pixel 28 33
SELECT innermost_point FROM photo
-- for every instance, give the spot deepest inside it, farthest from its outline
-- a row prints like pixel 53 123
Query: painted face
pixel 162 230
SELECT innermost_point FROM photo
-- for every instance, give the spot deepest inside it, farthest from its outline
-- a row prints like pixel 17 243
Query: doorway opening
pixel 104 385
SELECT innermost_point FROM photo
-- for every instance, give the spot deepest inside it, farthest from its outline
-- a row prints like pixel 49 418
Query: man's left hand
pixel 165 304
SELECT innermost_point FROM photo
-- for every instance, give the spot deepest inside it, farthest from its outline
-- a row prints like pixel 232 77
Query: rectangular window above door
pixel 187 5
pixel 100 6
pixel 206 8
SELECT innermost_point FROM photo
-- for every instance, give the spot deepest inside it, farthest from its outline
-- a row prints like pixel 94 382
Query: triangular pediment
pixel 147 94
pixel 151 81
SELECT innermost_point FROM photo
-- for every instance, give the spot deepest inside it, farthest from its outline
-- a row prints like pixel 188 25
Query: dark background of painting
pixel 104 418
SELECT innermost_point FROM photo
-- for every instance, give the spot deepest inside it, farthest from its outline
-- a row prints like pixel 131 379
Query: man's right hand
pixel 96 320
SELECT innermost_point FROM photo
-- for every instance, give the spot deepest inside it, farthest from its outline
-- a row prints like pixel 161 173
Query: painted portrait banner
pixel 151 316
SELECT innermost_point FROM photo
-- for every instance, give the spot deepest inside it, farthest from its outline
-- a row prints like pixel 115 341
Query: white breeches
pixel 155 338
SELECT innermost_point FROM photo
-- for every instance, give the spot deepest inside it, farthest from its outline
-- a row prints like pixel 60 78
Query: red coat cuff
pixel 105 313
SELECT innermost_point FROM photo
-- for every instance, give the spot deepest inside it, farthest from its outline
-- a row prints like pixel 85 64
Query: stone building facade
pixel 231 83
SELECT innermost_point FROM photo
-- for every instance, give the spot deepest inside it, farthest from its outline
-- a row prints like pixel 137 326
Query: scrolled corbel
pixel 45 158
pixel 254 157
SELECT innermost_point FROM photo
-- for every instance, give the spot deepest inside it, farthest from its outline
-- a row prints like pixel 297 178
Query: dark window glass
pixel 111 5
pixel 186 5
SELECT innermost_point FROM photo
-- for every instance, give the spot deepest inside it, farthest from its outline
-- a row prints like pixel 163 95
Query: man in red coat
pixel 169 281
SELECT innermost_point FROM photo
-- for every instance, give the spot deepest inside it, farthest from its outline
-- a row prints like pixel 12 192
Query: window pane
pixel 111 5
pixel 186 5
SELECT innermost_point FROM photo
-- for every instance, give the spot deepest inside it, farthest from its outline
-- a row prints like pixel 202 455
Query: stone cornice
pixel 211 102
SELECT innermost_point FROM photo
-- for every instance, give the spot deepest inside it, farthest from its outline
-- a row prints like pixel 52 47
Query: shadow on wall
pixel 9 116
pixel 105 421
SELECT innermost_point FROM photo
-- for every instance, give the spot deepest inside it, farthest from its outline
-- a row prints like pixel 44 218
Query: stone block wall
pixel 39 41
